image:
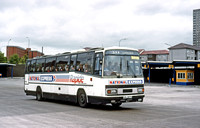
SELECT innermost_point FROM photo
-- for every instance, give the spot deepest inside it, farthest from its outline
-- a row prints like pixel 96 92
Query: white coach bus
pixel 99 75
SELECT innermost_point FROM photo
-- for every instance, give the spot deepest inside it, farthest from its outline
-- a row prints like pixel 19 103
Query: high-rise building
pixel 196 27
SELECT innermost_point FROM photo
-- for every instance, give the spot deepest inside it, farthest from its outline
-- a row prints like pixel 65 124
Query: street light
pixel 28 41
pixel 9 41
pixel 28 46
pixel 121 40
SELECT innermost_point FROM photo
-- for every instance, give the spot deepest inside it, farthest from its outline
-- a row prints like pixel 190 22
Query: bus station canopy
pixel 6 64
pixel 174 63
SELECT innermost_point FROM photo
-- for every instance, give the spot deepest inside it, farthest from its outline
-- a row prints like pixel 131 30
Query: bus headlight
pixel 140 90
pixel 111 91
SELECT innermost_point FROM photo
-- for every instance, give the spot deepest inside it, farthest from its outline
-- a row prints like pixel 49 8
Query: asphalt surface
pixel 163 107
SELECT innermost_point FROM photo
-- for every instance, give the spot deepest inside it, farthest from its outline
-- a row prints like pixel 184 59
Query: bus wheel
pixel 39 94
pixel 82 99
pixel 116 105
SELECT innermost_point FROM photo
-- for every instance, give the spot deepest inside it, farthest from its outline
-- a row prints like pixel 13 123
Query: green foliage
pixel 23 59
pixel 2 58
pixel 14 59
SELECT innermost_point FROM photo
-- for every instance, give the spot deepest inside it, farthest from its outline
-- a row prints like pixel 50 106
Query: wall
pixel 162 57
pixel 18 70
pixel 177 54
pixel 143 57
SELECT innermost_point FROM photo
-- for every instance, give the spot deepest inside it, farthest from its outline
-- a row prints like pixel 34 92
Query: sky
pixel 64 25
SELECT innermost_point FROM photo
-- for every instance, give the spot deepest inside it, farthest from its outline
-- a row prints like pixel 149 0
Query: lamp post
pixel 28 46
pixel 121 40
pixel 28 41
pixel 9 41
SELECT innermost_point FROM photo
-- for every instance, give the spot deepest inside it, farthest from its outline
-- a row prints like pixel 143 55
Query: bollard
pixel 170 82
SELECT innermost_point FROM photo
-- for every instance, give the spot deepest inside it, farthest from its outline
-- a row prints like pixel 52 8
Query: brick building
pixel 21 52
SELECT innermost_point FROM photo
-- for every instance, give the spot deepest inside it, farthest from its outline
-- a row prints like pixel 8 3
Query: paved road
pixel 163 107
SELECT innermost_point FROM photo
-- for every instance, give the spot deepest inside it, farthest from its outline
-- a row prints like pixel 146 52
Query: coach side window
pixel 73 62
pixel 40 65
pixel 32 69
pixel 50 64
pixel 28 66
pixel 62 63
pixel 85 62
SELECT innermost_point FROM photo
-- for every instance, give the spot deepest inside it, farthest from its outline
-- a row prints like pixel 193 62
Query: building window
pixel 190 75
pixel 181 75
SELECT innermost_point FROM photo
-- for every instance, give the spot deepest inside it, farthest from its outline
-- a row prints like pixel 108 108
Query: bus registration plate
pixel 127 97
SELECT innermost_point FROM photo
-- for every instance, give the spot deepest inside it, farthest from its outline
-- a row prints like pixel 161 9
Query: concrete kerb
pixel 7 78
pixel 172 85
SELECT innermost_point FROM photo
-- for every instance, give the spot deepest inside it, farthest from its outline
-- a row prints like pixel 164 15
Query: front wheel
pixel 82 99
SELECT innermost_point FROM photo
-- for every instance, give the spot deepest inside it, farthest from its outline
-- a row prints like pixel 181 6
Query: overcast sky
pixel 64 25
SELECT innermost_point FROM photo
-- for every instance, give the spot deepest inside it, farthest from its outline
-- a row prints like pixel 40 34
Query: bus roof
pixel 120 48
pixel 86 50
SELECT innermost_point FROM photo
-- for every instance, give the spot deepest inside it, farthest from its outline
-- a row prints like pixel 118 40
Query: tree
pixel 23 59
pixel 2 58
pixel 14 59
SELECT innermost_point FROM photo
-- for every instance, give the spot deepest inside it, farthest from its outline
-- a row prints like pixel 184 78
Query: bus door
pixel 98 64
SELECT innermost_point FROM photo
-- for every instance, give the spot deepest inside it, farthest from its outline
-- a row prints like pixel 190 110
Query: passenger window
pixel 32 66
pixel 28 66
pixel 73 62
pixel 62 63
pixel 85 62
pixel 40 65
pixel 50 64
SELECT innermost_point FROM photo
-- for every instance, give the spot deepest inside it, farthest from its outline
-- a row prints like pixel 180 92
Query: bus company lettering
pixel 69 78
pixel 126 82
pixel 34 78
pixel 47 78
pixel 76 79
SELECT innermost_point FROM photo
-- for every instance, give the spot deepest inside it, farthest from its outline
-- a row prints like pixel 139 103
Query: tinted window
pixel 32 66
pixel 40 65
pixel 73 62
pixel 62 63
pixel 28 66
pixel 50 64
pixel 85 62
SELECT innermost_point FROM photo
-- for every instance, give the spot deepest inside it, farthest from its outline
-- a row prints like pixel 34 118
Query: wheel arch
pixel 38 88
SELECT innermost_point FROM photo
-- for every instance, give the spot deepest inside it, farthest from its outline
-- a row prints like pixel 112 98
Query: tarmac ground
pixel 164 106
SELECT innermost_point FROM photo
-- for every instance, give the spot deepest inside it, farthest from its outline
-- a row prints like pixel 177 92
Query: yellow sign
pixel 135 57
pixel 198 65
pixel 171 66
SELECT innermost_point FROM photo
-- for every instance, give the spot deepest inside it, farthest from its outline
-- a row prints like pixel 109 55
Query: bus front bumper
pixel 118 99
